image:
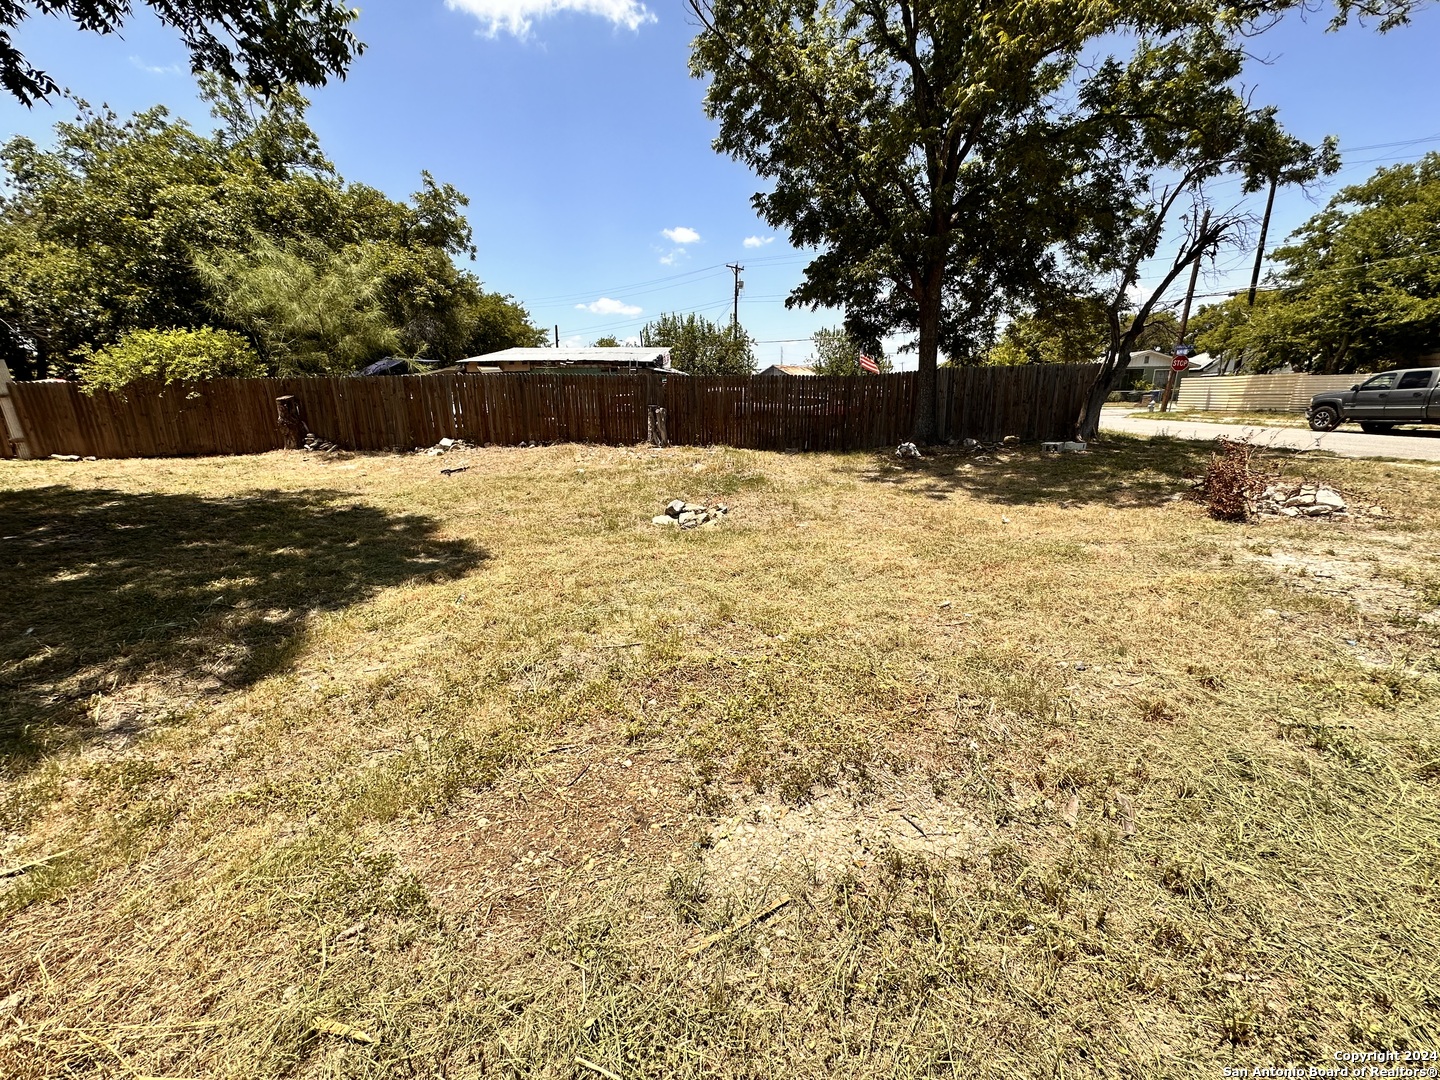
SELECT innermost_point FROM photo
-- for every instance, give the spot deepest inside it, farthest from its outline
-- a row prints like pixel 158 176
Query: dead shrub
pixel 1230 485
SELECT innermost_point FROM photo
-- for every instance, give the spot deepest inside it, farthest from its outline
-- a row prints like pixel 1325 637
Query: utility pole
pixel 735 310
pixel 1260 251
pixel 1185 317
pixel 557 335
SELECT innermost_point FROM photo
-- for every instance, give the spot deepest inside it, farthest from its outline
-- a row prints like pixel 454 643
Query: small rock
pixel 676 508
pixel 1318 510
pixel 1011 440
pixel 1329 497
pixel 907 450
pixel 970 444
pixel 663 519
pixel 1071 814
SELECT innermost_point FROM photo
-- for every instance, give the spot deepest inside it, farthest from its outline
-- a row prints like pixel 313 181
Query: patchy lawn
pixel 996 766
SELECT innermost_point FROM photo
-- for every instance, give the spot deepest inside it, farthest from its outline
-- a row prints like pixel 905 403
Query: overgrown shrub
pixel 170 356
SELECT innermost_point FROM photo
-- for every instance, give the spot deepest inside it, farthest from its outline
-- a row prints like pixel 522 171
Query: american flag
pixel 866 364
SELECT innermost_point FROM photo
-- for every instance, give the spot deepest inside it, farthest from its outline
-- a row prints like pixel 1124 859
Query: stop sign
pixel 1180 363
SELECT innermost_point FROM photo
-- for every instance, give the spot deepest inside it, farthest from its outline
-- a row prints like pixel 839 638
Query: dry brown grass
pixel 1064 777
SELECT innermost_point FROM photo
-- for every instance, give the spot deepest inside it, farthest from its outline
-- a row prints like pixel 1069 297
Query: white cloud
pixel 673 257
pixel 681 235
pixel 151 69
pixel 518 16
pixel 758 241
pixel 606 306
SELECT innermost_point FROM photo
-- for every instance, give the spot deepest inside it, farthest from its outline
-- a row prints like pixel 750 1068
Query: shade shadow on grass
pixel 1121 471
pixel 101 590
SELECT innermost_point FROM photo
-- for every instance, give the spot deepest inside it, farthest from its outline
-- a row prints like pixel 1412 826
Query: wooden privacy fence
pixel 1258 393
pixel 239 416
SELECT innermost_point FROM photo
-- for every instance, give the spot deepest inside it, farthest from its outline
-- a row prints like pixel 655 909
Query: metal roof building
pixel 592 359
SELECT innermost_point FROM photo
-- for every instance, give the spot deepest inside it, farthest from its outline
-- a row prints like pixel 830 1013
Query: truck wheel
pixel 1375 427
pixel 1324 418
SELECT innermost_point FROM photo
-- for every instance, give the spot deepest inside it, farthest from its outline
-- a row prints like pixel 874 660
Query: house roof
pixel 1153 358
pixel 788 369
pixel 621 357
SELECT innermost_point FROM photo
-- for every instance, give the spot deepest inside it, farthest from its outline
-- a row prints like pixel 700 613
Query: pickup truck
pixel 1380 402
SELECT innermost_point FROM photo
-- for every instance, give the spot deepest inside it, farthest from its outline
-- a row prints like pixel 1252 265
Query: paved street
pixel 1420 444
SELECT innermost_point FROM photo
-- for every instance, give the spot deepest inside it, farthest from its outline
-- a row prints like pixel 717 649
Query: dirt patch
pixel 583 815
pixel 1356 578
pixel 837 833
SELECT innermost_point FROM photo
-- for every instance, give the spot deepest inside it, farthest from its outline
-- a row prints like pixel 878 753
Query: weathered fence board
pixel 238 416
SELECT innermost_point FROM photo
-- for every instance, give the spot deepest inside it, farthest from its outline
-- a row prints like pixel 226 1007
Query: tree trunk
pixel 1117 362
pixel 929 350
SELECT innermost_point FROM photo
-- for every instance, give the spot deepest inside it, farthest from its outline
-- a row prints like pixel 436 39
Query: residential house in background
pixel 786 369
pixel 596 360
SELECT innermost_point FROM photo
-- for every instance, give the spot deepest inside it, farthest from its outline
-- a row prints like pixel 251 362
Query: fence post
pixel 14 431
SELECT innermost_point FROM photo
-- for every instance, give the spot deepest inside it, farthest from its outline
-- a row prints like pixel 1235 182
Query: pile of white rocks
pixel 685 515
pixel 444 446
pixel 1301 500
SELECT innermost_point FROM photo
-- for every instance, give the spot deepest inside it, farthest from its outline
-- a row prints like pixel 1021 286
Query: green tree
pixel 108 232
pixel 320 315
pixel 266 45
pixel 699 346
pixel 1359 283
pixel 172 356
pixel 609 341
pixel 1069 331
pixel 906 142
pixel 1228 330
pixel 838 353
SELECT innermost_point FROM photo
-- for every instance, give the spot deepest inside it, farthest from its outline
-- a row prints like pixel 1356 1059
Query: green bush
pixel 171 356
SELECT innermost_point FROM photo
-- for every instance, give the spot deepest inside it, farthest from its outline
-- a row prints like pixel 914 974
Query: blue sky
pixel 576 130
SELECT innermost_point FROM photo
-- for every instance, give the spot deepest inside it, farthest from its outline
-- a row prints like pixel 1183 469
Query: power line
pixel 562 297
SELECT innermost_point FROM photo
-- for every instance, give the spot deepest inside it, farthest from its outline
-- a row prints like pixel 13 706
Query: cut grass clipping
pixel 984 765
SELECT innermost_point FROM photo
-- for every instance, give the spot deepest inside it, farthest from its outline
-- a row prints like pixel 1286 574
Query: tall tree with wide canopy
pixel 950 162
pixel 905 142
pixel 267 44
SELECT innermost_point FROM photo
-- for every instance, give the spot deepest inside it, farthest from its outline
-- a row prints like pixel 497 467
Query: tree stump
pixel 656 426
pixel 291 418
